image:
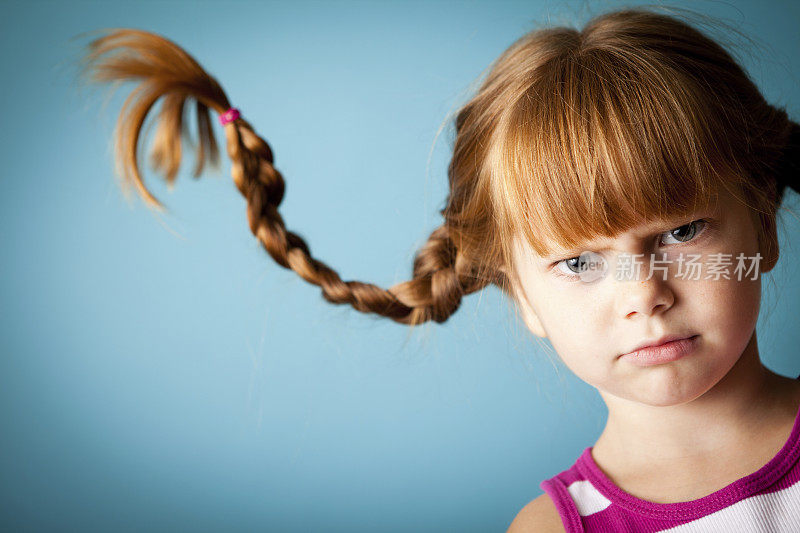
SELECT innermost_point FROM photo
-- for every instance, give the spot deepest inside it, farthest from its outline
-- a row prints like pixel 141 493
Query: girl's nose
pixel 645 295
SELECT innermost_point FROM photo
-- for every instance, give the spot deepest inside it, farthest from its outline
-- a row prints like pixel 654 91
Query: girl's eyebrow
pixel 576 251
pixel 598 245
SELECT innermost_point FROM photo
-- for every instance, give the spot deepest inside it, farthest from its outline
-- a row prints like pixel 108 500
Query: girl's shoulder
pixel 539 515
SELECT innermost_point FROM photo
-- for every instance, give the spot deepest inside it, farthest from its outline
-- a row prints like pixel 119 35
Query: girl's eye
pixel 686 232
pixel 585 265
pixel 574 265
pixel 683 234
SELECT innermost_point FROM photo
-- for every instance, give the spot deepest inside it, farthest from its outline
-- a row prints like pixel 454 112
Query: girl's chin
pixel 661 391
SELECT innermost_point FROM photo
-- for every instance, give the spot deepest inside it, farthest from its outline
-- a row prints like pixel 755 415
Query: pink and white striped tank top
pixel 767 500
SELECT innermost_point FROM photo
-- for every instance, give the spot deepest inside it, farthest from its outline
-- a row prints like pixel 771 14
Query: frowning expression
pixel 591 321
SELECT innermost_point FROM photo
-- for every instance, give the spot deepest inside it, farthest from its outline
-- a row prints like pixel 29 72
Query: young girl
pixel 635 137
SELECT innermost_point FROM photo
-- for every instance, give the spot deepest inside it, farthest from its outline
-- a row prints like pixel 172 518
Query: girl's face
pixel 591 321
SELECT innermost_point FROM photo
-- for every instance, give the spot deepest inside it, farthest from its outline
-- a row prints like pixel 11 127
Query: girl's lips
pixel 663 353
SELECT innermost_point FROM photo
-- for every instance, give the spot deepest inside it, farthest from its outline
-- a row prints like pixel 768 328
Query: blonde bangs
pixel 601 143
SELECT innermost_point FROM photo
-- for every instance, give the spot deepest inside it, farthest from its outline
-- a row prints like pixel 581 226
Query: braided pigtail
pixel 441 275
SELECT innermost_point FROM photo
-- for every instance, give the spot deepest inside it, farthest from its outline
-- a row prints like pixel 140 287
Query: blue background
pixel 163 373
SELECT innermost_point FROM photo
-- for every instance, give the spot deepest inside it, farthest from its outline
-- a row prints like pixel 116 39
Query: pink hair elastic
pixel 229 116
